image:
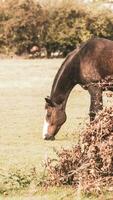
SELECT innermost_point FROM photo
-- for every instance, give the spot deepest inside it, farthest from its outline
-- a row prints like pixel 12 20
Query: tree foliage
pixel 26 23
pixel 22 25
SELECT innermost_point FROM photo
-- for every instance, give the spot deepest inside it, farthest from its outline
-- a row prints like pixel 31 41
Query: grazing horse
pixel 90 65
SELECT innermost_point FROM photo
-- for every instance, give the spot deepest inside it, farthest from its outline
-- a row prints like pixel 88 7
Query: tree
pixel 65 29
pixel 22 24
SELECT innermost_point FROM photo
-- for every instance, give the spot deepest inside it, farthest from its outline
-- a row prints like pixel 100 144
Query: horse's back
pixel 96 59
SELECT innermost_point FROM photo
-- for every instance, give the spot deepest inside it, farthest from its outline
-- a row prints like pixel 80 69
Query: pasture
pixel 23 86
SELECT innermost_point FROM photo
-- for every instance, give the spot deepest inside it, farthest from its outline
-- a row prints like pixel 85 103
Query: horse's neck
pixel 63 82
pixel 60 96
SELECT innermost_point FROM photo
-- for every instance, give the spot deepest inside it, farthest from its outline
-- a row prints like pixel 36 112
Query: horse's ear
pixel 49 101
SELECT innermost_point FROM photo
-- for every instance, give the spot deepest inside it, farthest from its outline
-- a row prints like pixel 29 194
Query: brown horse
pixel 89 65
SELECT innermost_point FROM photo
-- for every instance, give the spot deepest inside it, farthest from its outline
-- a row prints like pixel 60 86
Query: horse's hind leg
pixel 96 100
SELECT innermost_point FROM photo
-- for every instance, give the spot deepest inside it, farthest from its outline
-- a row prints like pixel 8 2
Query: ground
pixel 23 86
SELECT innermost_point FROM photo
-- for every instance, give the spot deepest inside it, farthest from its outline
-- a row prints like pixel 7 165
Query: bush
pixel 88 165
pixel 65 29
pixel 21 24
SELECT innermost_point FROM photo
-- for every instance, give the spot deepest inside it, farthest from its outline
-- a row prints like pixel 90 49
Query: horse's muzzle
pixel 47 137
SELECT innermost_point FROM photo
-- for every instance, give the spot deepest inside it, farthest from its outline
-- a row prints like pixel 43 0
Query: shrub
pixel 89 164
pixel 22 25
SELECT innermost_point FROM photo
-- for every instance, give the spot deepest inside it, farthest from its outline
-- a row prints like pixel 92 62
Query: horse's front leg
pixel 96 101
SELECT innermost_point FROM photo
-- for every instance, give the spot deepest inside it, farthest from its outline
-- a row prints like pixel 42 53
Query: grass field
pixel 23 86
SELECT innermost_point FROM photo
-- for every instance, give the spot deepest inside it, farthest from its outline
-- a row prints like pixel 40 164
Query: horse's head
pixel 55 117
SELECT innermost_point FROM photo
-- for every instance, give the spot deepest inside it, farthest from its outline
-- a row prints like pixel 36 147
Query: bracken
pixel 88 165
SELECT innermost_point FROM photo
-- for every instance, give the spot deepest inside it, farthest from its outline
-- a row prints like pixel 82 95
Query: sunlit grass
pixel 56 193
pixel 23 87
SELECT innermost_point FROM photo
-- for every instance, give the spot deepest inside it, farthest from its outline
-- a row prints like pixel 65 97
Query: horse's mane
pixel 73 53
pixel 67 60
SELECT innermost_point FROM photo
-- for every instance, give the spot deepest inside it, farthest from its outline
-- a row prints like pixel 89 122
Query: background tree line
pixel 27 23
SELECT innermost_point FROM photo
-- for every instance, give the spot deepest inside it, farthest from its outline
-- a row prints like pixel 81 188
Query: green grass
pixel 23 86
